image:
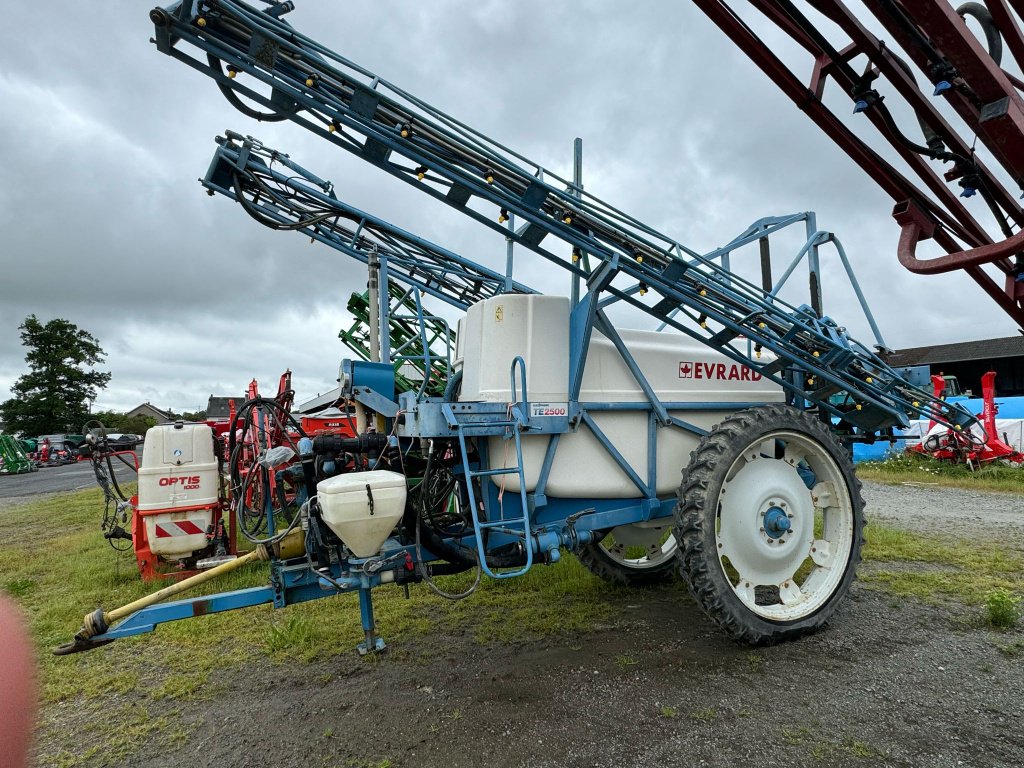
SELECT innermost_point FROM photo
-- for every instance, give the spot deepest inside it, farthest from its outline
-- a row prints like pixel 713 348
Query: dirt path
pixel 888 683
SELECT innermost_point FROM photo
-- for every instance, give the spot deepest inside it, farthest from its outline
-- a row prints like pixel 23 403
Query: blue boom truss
pixel 813 357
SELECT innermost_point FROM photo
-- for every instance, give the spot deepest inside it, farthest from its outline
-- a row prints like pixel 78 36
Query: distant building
pixel 970 360
pixel 318 403
pixel 219 408
pixel 151 411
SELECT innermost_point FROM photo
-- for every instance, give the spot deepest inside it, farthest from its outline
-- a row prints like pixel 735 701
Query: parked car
pixel 122 441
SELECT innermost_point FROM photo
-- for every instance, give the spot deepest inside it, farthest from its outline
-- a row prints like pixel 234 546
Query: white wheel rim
pixel 623 545
pixel 784 575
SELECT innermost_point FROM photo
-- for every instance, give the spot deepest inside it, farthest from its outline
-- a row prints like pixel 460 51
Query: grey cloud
pixel 102 221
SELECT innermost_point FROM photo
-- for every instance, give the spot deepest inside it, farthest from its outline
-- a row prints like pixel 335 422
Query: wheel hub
pixel 766 522
pixel 776 522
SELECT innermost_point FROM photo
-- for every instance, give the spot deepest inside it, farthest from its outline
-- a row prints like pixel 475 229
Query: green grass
pixel 1012 649
pixel 829 751
pixel 796 736
pixel 1001 609
pixel 824 750
pixel 934 568
pixel 56 565
pixel 912 468
pixel 704 715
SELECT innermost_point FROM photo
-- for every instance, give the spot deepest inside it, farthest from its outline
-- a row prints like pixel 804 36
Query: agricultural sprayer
pixel 939 442
pixel 195 482
pixel 559 430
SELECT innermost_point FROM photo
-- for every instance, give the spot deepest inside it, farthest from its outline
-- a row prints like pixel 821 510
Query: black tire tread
pixel 693 517
pixel 598 562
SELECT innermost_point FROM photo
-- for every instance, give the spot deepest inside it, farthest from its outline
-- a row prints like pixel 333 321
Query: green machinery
pixel 419 343
pixel 13 460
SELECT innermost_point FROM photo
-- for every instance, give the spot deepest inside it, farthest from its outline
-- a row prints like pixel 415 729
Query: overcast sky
pixel 102 221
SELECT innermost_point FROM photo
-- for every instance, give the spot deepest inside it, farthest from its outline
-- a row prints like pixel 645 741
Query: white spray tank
pixel 178 488
pixel 678 368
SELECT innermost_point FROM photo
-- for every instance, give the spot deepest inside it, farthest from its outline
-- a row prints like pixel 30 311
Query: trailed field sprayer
pixel 558 430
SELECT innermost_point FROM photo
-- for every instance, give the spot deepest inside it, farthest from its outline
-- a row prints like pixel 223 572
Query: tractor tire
pixel 651 561
pixel 770 523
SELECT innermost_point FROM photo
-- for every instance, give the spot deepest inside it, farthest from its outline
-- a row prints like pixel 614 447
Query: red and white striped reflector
pixel 180 528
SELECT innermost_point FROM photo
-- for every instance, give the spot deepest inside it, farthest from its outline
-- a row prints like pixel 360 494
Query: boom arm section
pixel 388 127
pixel 876 396
pixel 282 195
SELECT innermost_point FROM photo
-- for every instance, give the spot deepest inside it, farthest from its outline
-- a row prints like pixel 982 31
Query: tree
pixel 52 396
pixel 136 425
pixel 118 422
pixel 111 420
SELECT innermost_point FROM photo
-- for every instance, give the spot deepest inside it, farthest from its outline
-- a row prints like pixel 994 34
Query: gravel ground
pixel 947 511
pixel 889 682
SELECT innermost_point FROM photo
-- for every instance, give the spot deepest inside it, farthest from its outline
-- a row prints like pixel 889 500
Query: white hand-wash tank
pixel 178 488
pixel 678 368
pixel 362 508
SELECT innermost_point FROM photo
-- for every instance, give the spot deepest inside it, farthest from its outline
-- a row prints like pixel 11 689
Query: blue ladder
pixel 516 526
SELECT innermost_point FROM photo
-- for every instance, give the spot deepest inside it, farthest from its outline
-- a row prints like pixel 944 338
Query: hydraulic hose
pixel 988 26
pixel 932 139
pixel 280 420
pixel 253 209
pixel 453 552
pixel 237 103
pixel 425 571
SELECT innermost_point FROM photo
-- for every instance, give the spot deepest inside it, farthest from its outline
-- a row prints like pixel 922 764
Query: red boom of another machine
pixel 960 69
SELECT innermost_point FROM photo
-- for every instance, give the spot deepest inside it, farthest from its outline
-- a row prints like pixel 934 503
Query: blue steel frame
pixel 290 583
pixel 762 229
